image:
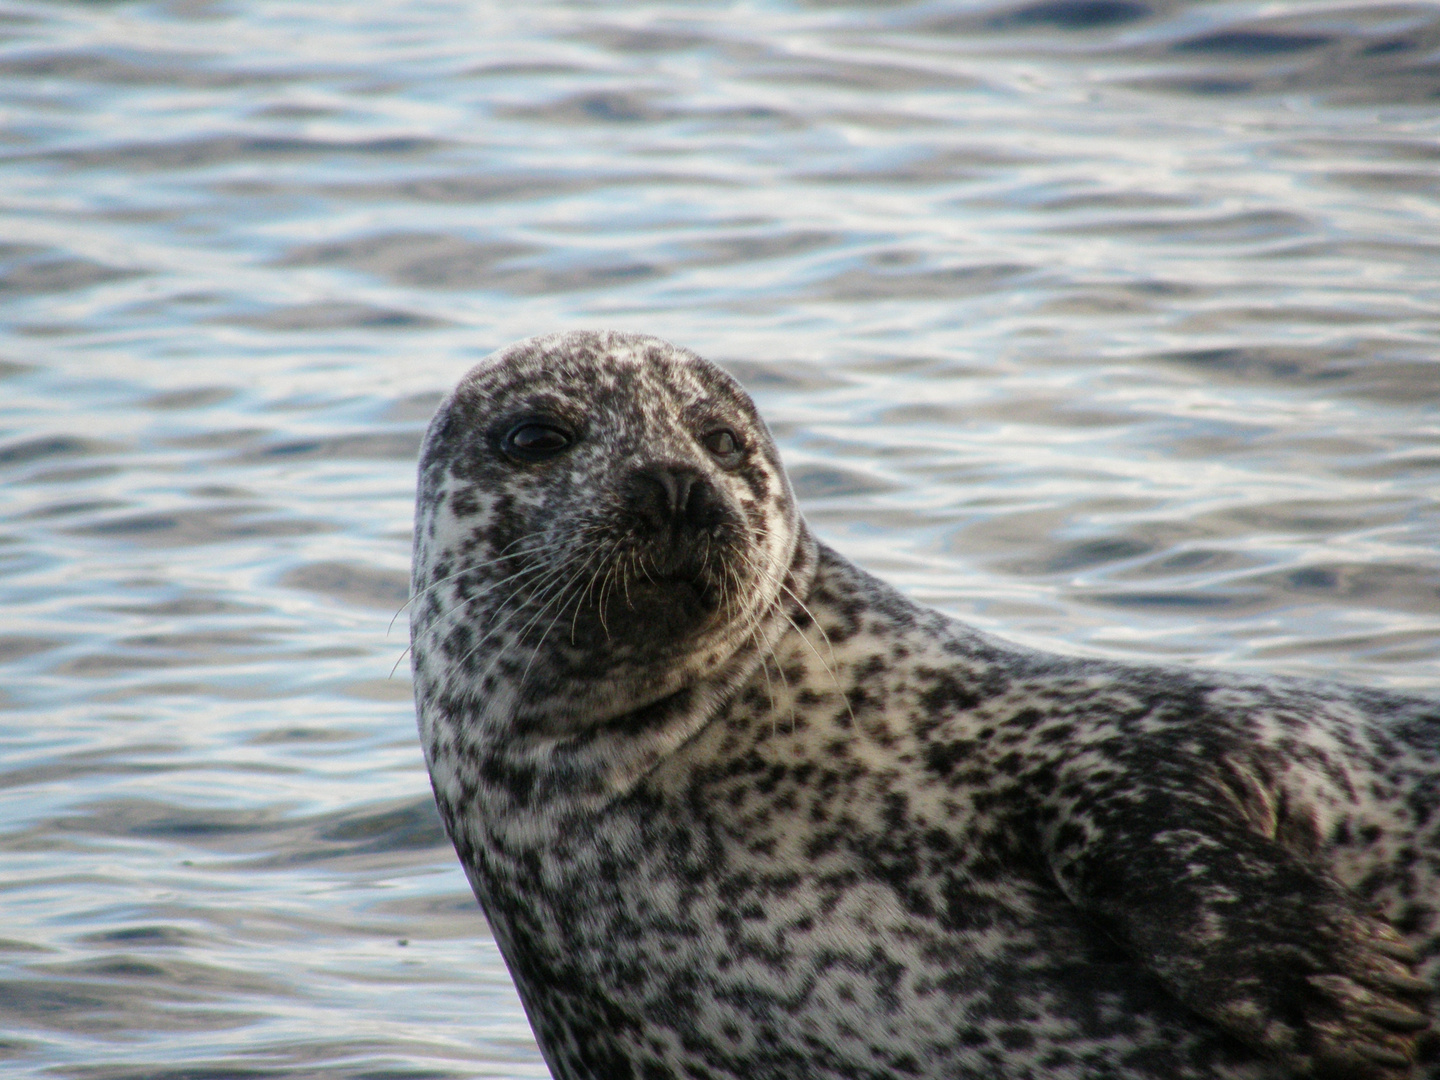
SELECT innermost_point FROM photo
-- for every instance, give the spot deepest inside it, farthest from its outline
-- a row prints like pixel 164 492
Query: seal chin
pixel 656 615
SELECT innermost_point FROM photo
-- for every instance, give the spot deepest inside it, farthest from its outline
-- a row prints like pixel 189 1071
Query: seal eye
pixel 535 441
pixel 724 444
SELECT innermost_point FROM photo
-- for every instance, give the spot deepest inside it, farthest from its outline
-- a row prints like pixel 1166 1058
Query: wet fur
pixel 792 824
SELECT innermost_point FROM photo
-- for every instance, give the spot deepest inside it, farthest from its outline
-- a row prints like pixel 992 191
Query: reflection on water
pixel 1109 325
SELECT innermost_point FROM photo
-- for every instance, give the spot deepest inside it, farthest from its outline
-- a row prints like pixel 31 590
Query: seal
pixel 736 809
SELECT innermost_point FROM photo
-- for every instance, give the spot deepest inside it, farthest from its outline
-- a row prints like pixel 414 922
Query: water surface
pixel 1108 325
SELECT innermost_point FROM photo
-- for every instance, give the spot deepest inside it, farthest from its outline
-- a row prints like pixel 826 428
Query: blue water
pixel 1108 325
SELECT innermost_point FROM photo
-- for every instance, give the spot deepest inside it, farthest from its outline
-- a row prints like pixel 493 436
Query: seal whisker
pixel 580 601
pixel 789 693
pixel 606 583
pixel 470 569
pixel 828 667
pixel 559 596
pixel 495 586
pixel 548 585
pixel 546 582
pixel 555 591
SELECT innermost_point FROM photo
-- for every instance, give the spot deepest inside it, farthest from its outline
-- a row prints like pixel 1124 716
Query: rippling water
pixel 1109 325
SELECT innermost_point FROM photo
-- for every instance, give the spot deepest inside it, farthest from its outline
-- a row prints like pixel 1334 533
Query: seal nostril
pixel 678 488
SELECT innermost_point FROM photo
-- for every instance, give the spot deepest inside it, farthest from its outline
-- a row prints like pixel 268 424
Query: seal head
pixel 605 532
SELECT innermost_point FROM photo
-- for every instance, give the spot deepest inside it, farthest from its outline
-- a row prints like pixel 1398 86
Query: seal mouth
pixel 655 610
pixel 691 592
pixel 690 570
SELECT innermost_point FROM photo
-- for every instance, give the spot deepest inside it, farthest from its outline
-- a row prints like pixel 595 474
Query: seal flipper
pixel 1244 931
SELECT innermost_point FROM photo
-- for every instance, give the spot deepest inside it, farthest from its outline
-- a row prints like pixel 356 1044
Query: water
pixel 1108 325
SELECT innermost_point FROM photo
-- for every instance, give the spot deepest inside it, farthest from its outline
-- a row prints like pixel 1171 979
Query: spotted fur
pixel 736 809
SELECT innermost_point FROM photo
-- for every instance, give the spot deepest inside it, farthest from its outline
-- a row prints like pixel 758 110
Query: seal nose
pixel 677 485
pixel 675 495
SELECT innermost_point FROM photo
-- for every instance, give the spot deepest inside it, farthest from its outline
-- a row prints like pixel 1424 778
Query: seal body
pixel 736 809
